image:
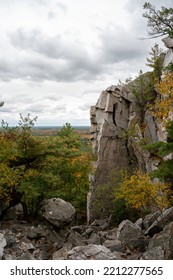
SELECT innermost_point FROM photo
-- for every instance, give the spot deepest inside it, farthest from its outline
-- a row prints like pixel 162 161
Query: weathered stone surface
pixel 91 252
pixel 139 223
pixel 116 138
pixel 169 54
pixel 61 254
pixel 157 253
pixel 150 219
pixel 131 236
pixel 14 213
pixel 164 240
pixel 113 245
pixel 36 232
pixel 58 212
pixel 162 220
pixel 168 42
pixel 2 244
pixel 75 239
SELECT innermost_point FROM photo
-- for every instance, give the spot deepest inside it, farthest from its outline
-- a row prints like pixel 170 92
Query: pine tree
pixel 164 150
pixel 160 22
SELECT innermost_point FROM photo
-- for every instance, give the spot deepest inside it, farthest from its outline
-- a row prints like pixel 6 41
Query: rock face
pixel 169 55
pixel 116 131
pixel 2 244
pixel 58 212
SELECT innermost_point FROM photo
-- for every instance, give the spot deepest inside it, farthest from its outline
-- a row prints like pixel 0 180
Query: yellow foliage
pixel 9 180
pixel 140 192
pixel 164 105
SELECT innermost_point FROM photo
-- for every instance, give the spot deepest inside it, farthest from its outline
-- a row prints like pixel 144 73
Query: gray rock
pixel 58 212
pixel 162 220
pixel 131 236
pixel 75 239
pixel 91 252
pixel 168 42
pixel 157 253
pixel 2 244
pixel 164 239
pixel 139 223
pixel 26 256
pixel 150 219
pixel 60 254
pixel 94 239
pixel 117 136
pixel 35 233
pixel 113 245
pixel 14 213
pixel 54 238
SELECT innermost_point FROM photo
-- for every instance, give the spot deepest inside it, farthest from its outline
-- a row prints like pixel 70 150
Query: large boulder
pixel 91 252
pixel 150 219
pixel 131 236
pixel 156 253
pixel 2 244
pixel 164 239
pixel 58 212
pixel 61 254
pixel 163 219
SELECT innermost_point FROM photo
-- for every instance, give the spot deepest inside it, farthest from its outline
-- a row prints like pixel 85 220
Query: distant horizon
pixel 55 126
pixel 35 126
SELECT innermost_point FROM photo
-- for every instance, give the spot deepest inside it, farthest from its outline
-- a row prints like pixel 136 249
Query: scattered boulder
pixel 58 212
pixel 162 220
pixel 2 244
pixel 14 213
pixel 131 236
pixel 157 253
pixel 150 219
pixel 61 254
pixel 91 252
pixel 20 240
pixel 164 239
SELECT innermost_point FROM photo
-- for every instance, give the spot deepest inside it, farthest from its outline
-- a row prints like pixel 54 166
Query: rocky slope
pixel 57 237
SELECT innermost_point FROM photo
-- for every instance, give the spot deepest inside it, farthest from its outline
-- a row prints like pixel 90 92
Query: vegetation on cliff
pixel 153 95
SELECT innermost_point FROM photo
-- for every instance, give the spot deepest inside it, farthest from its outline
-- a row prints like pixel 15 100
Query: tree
pixel 160 22
pixel 67 167
pixel 21 158
pixel 143 89
pixel 164 150
pixel 164 103
pixel 140 192
pixel 33 168
pixel 155 62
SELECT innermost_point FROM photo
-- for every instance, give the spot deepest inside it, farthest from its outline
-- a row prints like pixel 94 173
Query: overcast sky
pixel 56 56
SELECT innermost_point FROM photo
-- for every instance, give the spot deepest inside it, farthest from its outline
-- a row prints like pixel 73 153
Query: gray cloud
pixel 52 58
pixel 132 6
pixel 62 7
pixel 85 107
pixel 56 59
pixel 118 45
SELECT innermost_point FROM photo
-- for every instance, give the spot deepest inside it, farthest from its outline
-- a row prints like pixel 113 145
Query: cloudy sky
pixel 56 56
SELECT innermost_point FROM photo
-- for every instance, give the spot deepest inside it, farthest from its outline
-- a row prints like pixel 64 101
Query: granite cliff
pixel 117 132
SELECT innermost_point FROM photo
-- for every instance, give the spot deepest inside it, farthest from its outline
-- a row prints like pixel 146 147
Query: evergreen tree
pixel 155 62
pixel 160 22
pixel 165 151
pixel 143 89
